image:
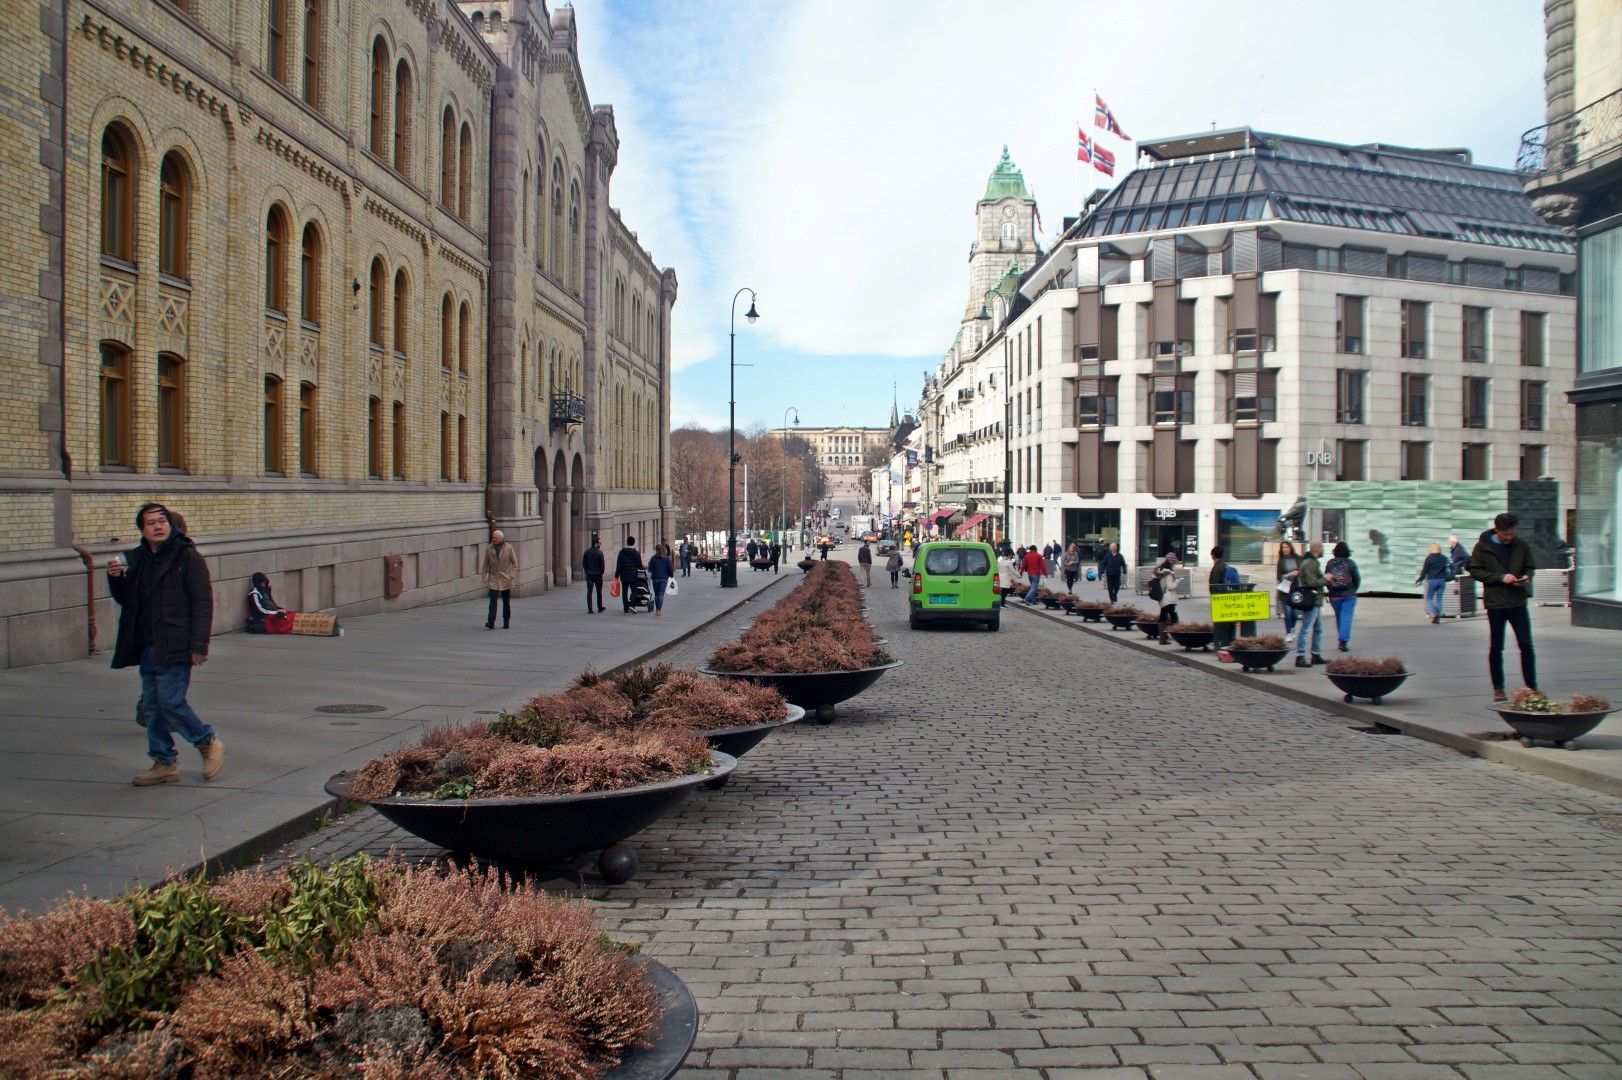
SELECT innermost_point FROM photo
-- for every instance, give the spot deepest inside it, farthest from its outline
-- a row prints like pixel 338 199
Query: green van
pixel 955 580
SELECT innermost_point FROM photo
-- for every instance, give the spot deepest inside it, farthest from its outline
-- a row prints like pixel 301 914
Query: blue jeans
pixel 1434 587
pixel 1291 615
pixel 163 698
pixel 1036 583
pixel 1344 607
pixel 1310 622
pixel 659 584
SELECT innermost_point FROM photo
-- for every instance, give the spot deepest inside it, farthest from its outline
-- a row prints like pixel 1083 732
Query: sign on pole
pixel 1240 607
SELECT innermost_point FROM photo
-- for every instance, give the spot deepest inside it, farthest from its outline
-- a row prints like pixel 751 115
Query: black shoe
pixel 489 626
pixel 1301 661
pixel 1343 647
pixel 506 626
pixel 1317 660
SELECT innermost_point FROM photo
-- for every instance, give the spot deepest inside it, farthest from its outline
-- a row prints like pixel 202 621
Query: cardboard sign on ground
pixel 315 625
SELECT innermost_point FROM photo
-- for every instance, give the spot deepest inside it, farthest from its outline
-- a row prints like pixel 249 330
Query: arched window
pixel 309 274
pixel 306 429
pixel 276 32
pixel 312 53
pixel 374 438
pixel 117 194
pixel 402 297
pixel 445 466
pixel 464 191
pixel 276 259
pixel 402 118
pixel 399 440
pixel 636 323
pixel 447 159
pixel 174 215
pixel 557 220
pixel 447 328
pixel 379 285
pixel 464 329
pixel 171 412
pixel 540 206
pixel 380 98
pixel 523 219
pixel 273 424
pixel 115 404
pixel 574 237
pixel 461 448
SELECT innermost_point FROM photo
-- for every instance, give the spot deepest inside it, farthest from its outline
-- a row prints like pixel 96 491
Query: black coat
pixel 591 563
pixel 628 562
pixel 1488 566
pixel 183 601
pixel 1113 564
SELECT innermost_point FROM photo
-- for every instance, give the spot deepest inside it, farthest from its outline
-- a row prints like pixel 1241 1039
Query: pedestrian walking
pixel 1433 574
pixel 591 564
pixel 500 570
pixel 686 551
pixel 1034 566
pixel 1163 587
pixel 776 552
pixel 824 547
pixel 1288 564
pixel 660 571
pixel 864 559
pixel 1111 567
pixel 1219 569
pixel 1070 566
pixel 1007 575
pixel 750 549
pixel 1457 557
pixel 1344 582
pixel 1309 577
pixel 627 568
pixel 1502 562
pixel 893 564
pixel 166 613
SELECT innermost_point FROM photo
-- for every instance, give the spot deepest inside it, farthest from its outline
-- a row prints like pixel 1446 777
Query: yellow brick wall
pixel 29 522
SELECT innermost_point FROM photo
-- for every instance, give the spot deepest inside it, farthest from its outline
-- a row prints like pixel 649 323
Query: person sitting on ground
pixel 265 615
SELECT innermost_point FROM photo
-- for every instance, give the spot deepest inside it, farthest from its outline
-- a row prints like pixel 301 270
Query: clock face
pixel 1008 211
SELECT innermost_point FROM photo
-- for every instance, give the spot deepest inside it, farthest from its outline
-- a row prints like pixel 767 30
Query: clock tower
pixel 1005 233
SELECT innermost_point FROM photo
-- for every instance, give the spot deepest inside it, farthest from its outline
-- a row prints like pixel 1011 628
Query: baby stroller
pixel 642 591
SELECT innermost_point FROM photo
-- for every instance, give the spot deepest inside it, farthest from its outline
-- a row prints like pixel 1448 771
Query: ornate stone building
pixel 334 281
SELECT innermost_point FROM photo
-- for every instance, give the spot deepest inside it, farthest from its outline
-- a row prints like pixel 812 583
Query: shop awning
pixel 971 523
pixel 942 515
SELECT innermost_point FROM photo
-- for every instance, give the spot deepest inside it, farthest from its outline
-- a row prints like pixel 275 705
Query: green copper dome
pixel 1006 179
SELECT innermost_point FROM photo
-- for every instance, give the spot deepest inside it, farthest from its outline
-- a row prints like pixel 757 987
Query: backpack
pixel 1340 576
pixel 1230 575
pixel 1157 591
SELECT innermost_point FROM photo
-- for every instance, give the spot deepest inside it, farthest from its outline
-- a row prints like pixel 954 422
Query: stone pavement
pixel 70 819
pixel 1446 698
pixel 1037 854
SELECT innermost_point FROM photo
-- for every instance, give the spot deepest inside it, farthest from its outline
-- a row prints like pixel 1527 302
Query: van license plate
pixel 943 600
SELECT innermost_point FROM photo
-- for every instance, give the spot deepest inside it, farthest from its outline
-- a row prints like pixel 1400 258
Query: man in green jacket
pixel 1502 562
pixel 1309 576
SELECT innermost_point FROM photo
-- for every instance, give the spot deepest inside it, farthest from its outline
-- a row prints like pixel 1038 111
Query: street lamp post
pixel 782 517
pixel 729 565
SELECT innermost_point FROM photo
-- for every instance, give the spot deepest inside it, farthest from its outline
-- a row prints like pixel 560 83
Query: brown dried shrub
pixel 1190 628
pixel 1366 665
pixel 1261 643
pixel 1585 703
pixel 250 1010
pixel 42 954
pixel 1125 610
pixel 817 627
pixel 707 704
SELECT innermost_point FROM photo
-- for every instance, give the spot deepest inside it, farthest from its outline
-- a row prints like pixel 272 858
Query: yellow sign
pixel 1240 607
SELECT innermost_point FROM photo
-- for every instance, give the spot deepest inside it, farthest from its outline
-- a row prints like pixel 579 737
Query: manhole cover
pixel 349 709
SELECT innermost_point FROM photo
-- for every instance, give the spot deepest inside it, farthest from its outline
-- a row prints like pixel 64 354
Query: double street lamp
pixel 729 566
pixel 782 518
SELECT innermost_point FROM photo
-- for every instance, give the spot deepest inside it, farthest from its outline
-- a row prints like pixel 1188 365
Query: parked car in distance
pixel 887 545
pixel 955 581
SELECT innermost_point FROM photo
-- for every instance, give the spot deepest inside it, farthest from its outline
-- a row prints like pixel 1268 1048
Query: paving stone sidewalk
pixel 1035 854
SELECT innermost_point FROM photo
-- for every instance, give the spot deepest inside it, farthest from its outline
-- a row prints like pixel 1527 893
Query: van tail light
pixel 996 582
pixel 917 584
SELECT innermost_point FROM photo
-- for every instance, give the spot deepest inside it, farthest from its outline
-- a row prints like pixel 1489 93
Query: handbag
pixel 1302 599
pixel 670 589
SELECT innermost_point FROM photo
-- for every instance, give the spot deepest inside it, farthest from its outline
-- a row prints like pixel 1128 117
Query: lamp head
pixel 751 315
pixel 984 316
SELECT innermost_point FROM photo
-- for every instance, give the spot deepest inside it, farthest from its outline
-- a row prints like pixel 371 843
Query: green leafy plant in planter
pixel 353 968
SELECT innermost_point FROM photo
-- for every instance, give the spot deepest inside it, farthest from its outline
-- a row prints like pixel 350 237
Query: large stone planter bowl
pixel 1561 729
pixel 1091 614
pixel 1373 687
pixel 543 828
pixel 672 1036
pixel 1194 639
pixel 814 691
pixel 738 741
pixel 1120 622
pixel 1049 602
pixel 1149 627
pixel 1257 659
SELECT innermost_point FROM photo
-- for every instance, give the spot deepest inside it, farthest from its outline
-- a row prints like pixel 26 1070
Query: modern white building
pixel 1246 313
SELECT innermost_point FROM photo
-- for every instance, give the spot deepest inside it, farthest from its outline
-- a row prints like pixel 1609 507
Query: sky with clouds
pixel 829 156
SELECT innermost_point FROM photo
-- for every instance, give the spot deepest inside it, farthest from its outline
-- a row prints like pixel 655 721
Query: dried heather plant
pixel 1365 665
pixel 1586 703
pixel 1260 643
pixel 40 955
pixel 251 1009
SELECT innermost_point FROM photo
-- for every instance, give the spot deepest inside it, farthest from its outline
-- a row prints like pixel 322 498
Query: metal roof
pixel 1245 175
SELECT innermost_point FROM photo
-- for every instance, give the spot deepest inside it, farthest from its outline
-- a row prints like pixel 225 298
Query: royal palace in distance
pixel 340 282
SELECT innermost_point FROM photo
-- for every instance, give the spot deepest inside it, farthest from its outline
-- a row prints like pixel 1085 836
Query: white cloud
pixel 831 156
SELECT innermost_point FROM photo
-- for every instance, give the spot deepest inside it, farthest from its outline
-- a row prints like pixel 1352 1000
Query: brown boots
pixel 159 773
pixel 213 753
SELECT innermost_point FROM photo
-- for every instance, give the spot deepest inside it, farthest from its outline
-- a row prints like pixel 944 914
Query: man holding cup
pixel 166 614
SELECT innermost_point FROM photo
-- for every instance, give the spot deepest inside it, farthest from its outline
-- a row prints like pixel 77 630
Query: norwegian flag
pixel 1084 146
pixel 1103 161
pixel 1105 119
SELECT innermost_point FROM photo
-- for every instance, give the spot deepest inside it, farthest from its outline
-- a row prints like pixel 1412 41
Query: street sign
pixel 1240 607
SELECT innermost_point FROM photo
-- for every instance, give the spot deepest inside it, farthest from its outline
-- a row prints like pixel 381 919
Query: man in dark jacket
pixel 1111 566
pixel 1309 576
pixel 592 564
pixel 1502 562
pixel 627 566
pixel 166 613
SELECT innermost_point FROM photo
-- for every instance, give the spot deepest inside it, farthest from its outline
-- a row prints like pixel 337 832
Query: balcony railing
pixel 568 408
pixel 1571 140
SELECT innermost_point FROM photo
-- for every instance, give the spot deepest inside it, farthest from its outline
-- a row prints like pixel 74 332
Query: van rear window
pixel 966 562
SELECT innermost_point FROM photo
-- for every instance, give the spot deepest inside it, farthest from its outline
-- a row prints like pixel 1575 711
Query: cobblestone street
pixel 1036 854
